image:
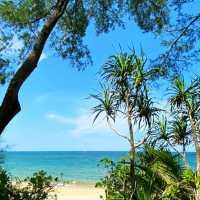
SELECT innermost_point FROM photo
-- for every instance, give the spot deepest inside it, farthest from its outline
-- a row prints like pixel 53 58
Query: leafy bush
pixel 116 183
pixel 159 176
pixel 36 187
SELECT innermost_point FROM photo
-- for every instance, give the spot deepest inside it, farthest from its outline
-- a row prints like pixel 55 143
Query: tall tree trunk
pixel 132 169
pixel 184 155
pixel 197 149
pixel 132 150
pixel 10 105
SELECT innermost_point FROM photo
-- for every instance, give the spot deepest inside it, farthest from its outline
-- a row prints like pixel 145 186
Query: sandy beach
pixel 78 192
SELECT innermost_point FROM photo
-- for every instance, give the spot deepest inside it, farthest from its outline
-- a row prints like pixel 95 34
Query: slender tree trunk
pixel 197 149
pixel 132 167
pixel 184 155
pixel 10 105
pixel 132 150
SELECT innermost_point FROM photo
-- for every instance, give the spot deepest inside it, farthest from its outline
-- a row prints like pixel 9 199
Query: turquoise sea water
pixel 77 166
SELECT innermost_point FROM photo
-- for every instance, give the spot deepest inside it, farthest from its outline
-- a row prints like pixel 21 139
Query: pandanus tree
pixel 160 135
pixel 186 100
pixel 180 134
pixel 170 133
pixel 126 95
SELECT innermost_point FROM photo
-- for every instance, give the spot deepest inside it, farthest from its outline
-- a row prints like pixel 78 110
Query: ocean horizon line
pixel 77 151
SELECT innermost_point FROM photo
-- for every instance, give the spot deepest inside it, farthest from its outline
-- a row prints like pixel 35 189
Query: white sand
pixel 78 192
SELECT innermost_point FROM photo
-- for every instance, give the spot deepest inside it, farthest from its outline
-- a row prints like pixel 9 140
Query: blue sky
pixel 55 113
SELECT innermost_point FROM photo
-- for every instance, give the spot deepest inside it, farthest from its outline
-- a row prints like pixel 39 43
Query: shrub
pixel 159 176
pixel 36 187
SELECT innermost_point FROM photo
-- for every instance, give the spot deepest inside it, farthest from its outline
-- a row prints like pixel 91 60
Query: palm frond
pixel 106 106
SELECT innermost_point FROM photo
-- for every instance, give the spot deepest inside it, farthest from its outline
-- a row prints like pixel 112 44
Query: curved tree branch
pixel 10 105
pixel 142 141
pixel 184 30
pixel 117 132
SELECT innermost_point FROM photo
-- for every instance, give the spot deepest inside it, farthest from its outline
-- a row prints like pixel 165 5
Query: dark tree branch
pixel 10 105
pixel 184 30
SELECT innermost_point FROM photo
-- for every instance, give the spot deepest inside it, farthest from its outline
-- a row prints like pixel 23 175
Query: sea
pixel 77 166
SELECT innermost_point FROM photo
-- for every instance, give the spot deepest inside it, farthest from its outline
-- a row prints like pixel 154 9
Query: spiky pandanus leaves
pixel 126 73
pixel 180 132
pixel 159 176
pixel 146 112
pixel 117 72
pixel 107 105
pixel 181 95
pixel 186 101
pixel 159 133
pixel 118 69
pixel 165 169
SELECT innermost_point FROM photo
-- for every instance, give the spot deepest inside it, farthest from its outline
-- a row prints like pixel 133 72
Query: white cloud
pixel 60 119
pixel 83 124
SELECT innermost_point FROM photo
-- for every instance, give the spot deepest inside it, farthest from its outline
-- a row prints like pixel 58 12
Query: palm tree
pixel 128 96
pixel 160 175
pixel 180 134
pixel 169 133
pixel 186 100
pixel 160 135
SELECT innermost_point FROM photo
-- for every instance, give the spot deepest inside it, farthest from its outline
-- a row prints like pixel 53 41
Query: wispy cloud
pixel 41 98
pixel 60 119
pixel 83 124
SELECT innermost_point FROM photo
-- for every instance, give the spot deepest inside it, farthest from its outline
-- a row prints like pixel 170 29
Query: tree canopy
pixel 62 25
pixel 22 20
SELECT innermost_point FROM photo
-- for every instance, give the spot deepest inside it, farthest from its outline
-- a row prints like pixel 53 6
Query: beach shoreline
pixel 72 190
pixel 77 191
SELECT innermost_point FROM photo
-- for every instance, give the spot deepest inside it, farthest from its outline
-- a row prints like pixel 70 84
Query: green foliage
pixel 180 35
pixel 185 100
pixel 127 88
pixel 5 186
pixel 36 187
pixel 180 132
pixel 3 70
pixel 150 15
pixel 117 182
pixel 159 175
pixel 23 20
pixel 107 104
